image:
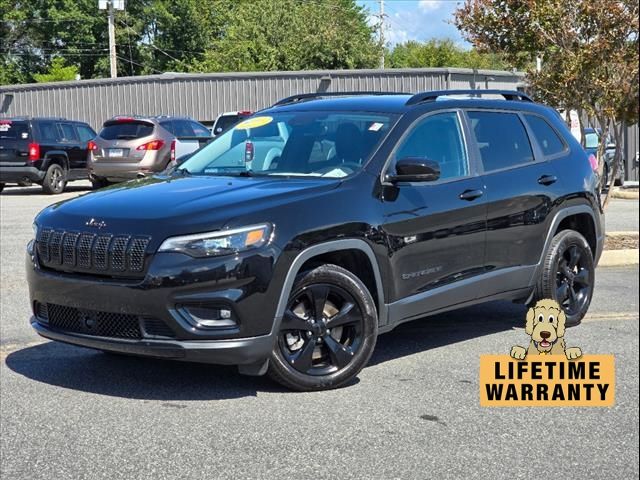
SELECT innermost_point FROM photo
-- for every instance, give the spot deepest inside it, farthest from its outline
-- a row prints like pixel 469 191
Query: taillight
pixel 152 145
pixel 34 152
pixel 248 151
pixel 91 146
pixel 593 161
pixel 173 151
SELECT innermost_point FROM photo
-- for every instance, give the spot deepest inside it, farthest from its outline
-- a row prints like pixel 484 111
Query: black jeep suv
pixel 289 254
pixel 46 151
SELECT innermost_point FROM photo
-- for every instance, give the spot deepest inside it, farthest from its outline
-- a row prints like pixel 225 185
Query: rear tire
pixel 99 182
pixel 1 187
pixel 54 180
pixel 568 275
pixel 328 332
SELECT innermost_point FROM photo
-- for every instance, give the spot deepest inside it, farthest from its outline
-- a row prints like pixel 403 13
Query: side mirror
pixel 415 169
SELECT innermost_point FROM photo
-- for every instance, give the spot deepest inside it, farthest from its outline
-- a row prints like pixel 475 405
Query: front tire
pixel 568 275
pixel 54 180
pixel 328 331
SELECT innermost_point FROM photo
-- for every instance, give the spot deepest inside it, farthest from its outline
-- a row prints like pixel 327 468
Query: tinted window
pixel 48 132
pixel 438 138
pixel 85 133
pixel 224 123
pixel 547 138
pixel 168 126
pixel 183 128
pixel 68 132
pixel 200 130
pixel 126 130
pixel 502 139
pixel 14 130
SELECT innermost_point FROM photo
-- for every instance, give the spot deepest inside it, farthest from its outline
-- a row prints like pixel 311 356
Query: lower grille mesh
pixel 91 322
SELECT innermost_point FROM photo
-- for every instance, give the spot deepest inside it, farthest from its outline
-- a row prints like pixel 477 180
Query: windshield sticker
pixel 376 126
pixel 4 127
pixel 254 122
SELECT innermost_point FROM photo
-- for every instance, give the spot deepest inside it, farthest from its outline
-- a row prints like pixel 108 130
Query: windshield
pixel 317 144
pixel 591 140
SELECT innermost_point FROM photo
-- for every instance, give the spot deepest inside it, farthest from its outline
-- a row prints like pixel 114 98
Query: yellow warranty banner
pixel 547 381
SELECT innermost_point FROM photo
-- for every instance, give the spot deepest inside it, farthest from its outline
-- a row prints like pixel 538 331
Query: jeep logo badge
pixel 96 223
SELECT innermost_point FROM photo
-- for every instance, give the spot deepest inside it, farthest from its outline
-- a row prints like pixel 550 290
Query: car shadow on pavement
pixel 101 373
pixel 448 328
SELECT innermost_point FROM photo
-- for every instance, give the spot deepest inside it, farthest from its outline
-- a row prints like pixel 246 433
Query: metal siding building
pixel 204 96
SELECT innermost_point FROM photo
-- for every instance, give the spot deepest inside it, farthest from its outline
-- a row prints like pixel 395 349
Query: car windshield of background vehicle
pixel 315 144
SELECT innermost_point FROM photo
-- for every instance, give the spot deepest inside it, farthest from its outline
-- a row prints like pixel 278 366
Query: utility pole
pixel 111 6
pixel 381 16
pixel 112 42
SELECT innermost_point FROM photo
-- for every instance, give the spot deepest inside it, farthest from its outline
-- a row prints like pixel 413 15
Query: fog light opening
pixel 206 317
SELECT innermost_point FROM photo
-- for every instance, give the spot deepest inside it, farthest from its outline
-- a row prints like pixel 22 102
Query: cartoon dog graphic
pixel 546 326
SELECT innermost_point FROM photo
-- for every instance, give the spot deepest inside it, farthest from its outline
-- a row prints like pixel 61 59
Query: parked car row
pixel 592 139
pixel 52 151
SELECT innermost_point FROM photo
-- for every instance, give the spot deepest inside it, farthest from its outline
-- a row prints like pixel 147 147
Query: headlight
pixel 34 227
pixel 223 242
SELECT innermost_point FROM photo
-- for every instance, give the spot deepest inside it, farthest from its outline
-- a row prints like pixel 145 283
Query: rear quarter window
pixel 548 140
pixel 14 130
pixel 126 130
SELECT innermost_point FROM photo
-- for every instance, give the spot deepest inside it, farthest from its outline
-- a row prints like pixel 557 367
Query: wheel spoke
pixel 318 296
pixel 574 257
pixel 340 355
pixel 582 278
pixel 572 295
pixel 291 321
pixel 345 316
pixel 562 292
pixel 303 359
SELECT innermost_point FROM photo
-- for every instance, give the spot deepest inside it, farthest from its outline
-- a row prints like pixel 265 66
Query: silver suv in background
pixel 129 147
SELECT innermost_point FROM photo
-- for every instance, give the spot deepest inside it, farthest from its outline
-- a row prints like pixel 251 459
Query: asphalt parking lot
pixel 72 413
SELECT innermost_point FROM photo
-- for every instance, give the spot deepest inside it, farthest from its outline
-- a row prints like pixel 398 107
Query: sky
pixel 416 19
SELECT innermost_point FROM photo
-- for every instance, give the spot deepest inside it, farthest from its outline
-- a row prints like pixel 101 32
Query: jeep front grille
pixel 116 255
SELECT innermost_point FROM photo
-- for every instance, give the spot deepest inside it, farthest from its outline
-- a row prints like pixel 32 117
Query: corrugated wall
pixel 204 96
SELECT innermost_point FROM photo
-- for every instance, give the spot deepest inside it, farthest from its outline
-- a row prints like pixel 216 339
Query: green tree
pixel 58 72
pixel 268 35
pixel 441 53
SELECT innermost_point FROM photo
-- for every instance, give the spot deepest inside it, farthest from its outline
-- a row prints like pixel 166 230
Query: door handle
pixel 470 195
pixel 547 179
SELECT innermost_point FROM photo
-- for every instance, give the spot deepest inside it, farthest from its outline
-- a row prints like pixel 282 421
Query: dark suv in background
pixel 376 210
pixel 46 151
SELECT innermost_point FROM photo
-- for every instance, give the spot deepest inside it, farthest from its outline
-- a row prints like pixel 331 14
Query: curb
pixel 624 233
pixel 618 193
pixel 619 258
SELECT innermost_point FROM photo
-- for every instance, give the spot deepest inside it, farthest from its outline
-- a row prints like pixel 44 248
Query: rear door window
pixel 49 132
pixel 548 140
pixel 10 129
pixel 68 133
pixel 126 130
pixel 501 138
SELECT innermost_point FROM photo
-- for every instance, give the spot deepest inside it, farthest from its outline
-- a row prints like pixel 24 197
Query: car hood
pixel 165 206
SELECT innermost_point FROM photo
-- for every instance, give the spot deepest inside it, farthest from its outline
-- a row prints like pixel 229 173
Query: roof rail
pixel 432 96
pixel 309 96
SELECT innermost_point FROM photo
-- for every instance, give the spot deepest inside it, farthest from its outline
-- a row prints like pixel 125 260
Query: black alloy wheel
pixel 568 275
pixel 321 330
pixel 327 333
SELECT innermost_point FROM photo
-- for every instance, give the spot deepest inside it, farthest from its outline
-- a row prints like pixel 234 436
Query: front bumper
pixel 172 284
pixel 20 174
pixel 239 351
